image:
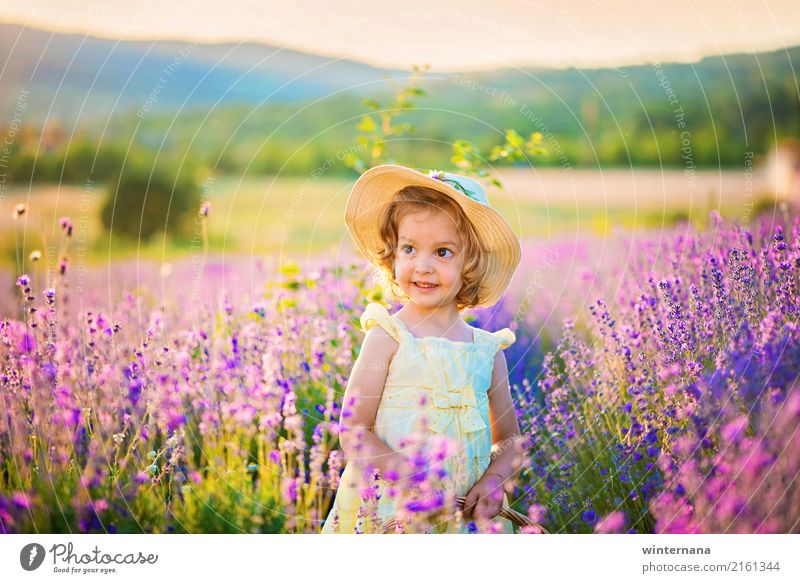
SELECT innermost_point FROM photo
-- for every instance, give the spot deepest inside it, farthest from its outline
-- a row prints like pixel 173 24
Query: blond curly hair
pixel 413 199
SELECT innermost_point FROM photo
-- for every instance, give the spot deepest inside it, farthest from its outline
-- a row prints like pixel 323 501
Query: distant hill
pixel 70 73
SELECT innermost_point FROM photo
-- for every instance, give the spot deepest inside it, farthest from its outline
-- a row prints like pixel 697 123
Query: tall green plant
pixel 376 128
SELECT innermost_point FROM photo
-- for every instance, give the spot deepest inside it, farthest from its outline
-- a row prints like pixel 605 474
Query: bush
pixel 144 201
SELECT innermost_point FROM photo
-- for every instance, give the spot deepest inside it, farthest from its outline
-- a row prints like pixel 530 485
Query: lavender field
pixel 655 377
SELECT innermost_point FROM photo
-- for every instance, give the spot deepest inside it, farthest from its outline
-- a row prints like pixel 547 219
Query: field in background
pixel 290 216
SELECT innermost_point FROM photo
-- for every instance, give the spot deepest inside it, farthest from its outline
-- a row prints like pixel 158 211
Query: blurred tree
pixel 78 162
pixel 146 200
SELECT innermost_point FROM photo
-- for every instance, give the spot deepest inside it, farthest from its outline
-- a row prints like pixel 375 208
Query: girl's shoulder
pixel 502 339
pixel 376 313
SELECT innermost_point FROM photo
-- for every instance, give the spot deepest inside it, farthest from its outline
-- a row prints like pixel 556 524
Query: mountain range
pixel 64 74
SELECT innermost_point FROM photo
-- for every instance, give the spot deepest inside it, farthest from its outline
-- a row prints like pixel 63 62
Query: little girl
pixel 440 249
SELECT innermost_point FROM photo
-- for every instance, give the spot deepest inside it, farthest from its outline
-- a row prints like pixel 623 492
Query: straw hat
pixel 374 190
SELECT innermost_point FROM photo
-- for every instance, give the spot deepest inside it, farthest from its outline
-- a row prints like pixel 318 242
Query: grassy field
pixel 296 216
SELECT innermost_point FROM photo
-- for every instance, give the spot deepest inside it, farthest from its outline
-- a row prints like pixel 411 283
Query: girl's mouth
pixel 425 287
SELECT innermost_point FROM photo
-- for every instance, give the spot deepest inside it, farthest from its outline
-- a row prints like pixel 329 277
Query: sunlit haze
pixel 469 34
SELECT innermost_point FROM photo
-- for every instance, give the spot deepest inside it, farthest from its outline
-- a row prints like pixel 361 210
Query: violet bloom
pixel 589 516
pixel 433 502
pixel 66 226
pixel 20 500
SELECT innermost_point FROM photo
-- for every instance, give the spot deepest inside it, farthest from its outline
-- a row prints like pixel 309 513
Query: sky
pixel 449 35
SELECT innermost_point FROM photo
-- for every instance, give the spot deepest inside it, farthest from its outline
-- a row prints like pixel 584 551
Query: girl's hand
pixel 485 499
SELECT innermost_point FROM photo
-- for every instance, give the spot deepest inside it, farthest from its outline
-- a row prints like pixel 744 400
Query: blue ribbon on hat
pixel 453 180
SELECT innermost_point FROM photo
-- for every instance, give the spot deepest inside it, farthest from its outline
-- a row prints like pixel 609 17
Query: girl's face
pixel 429 251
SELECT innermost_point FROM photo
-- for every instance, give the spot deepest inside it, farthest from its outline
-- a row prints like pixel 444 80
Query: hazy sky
pixel 464 34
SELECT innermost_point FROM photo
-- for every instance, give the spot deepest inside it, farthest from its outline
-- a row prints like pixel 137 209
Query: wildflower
pixel 733 431
pixel 589 516
pixel 35 255
pixel 290 490
pixel 612 523
pixel 205 208
pixel 23 281
pixel 66 226
pixel 135 386
pixel 20 500
pixel 435 501
pixel 19 210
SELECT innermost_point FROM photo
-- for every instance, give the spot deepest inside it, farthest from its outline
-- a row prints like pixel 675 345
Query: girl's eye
pixel 443 249
pixel 404 247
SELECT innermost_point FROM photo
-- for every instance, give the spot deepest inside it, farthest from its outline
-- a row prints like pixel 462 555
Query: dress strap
pixel 375 313
pixel 503 338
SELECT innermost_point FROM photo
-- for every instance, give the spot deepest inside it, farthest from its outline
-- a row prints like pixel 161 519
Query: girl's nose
pixel 423 267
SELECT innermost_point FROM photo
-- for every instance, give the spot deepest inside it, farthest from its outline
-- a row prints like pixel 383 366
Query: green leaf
pixel 367 125
pixel 404 127
pixel 514 139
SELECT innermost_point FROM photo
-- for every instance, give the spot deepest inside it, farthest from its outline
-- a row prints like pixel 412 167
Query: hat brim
pixel 374 190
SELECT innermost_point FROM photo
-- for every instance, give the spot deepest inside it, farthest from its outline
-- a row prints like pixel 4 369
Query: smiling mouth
pixel 424 286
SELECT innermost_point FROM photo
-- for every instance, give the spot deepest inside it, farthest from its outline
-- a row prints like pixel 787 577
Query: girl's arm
pixel 485 498
pixel 506 438
pixel 361 400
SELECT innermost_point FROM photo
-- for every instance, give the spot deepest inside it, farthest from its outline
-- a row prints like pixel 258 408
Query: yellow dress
pixel 452 379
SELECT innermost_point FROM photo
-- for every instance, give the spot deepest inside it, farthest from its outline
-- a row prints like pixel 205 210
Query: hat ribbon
pixel 441 176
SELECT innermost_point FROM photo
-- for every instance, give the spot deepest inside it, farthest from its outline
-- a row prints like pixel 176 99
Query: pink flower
pixel 536 512
pixel 735 429
pixel 20 500
pixel 612 523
